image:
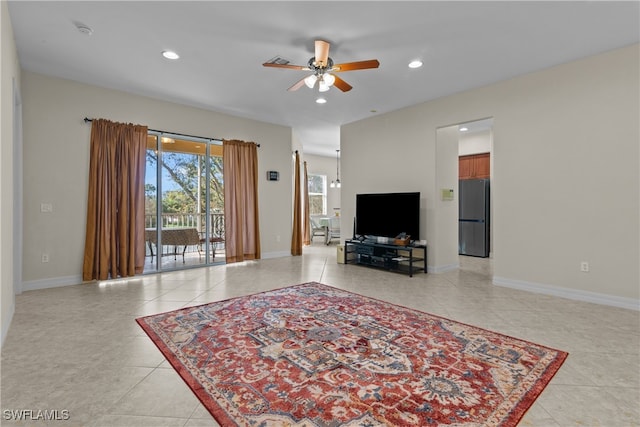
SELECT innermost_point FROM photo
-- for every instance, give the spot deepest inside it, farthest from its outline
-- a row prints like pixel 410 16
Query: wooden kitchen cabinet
pixel 474 166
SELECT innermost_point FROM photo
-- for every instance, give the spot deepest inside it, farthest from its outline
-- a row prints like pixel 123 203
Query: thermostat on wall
pixel 273 175
pixel 447 194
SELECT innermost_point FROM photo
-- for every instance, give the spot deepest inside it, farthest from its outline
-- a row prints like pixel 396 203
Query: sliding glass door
pixel 184 202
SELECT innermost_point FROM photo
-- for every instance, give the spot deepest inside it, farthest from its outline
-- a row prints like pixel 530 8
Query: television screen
pixel 388 214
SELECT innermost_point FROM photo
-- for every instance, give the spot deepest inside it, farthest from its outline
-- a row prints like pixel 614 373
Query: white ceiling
pixel 223 44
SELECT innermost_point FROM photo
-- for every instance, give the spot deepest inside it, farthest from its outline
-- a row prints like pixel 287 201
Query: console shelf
pixel 403 259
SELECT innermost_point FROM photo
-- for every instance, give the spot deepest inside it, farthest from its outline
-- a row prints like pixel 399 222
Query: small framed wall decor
pixel 273 175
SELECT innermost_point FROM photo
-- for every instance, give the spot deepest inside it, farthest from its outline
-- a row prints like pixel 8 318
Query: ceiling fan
pixel 323 69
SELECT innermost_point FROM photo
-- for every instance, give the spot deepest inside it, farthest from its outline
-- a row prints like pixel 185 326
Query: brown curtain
pixel 306 232
pixel 240 172
pixel 114 242
pixel 296 234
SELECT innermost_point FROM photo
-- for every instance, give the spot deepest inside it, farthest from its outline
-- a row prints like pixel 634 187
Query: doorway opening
pixel 450 140
pixel 475 153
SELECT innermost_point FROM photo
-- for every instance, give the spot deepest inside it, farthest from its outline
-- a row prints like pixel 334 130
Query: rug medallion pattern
pixel 316 356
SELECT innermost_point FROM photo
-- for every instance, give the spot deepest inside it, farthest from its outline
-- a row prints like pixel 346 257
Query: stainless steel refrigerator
pixel 473 226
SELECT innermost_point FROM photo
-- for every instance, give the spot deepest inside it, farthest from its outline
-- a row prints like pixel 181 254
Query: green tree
pixel 183 170
pixel 150 198
pixel 175 201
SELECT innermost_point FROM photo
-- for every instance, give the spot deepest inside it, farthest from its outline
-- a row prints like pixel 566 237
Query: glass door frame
pixel 208 261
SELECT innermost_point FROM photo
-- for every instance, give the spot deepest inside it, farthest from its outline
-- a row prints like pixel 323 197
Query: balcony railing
pixel 195 220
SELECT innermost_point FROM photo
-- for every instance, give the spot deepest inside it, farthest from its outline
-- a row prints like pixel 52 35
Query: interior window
pixel 317 194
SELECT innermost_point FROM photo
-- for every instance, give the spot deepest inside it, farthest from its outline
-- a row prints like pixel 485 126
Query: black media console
pixel 404 259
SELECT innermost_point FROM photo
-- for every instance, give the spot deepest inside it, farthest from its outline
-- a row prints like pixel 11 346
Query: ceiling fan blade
pixel 293 67
pixel 341 84
pixel 358 65
pixel 322 53
pixel 297 85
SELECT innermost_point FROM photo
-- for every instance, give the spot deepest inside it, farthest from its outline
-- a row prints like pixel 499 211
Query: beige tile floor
pixel 79 349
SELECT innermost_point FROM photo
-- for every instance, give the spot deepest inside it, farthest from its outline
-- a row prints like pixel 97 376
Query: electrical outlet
pixel 45 257
pixel 278 238
pixel 584 266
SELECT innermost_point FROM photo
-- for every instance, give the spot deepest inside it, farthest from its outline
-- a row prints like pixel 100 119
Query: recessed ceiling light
pixel 463 129
pixel 169 54
pixel 415 64
pixel 321 101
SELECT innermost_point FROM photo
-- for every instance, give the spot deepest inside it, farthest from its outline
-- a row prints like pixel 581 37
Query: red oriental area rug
pixel 313 355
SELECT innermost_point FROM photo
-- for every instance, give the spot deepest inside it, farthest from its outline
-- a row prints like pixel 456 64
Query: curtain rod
pixel 88 120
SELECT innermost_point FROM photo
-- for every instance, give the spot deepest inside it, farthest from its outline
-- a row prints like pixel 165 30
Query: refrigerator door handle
pixel 472 220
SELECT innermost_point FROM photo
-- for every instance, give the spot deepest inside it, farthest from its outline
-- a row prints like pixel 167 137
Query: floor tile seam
pixel 152 366
pixel 194 300
pixel 549 412
pixel 618 387
pixel 554 385
pixel 540 407
pixel 630 406
pixel 323 270
pixel 567 382
pixel 217 283
pixel 148 416
pixel 152 370
pixel 185 301
pixel 446 277
pixel 551 386
pixel 155 298
pixel 579 353
pixel 191 417
pixel 599 330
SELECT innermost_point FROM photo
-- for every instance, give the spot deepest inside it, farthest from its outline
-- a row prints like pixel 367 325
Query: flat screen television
pixel 388 214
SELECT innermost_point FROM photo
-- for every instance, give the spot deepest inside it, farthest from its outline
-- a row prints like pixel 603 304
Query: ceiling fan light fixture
pixel 328 79
pixel 321 65
pixel 323 87
pixel 311 81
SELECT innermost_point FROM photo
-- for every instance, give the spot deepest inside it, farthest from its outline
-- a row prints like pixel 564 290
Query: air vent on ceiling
pixel 278 60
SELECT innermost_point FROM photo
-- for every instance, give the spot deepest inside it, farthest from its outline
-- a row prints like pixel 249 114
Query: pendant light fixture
pixel 336 183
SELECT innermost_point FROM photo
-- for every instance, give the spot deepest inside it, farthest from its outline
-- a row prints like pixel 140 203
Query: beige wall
pixel 565 176
pixel 9 72
pixel 474 142
pixel 56 154
pixel 447 140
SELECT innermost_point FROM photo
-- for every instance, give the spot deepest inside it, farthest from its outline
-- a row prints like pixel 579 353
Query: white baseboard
pixel 54 282
pixel 442 268
pixel 574 294
pixel 6 322
pixel 280 254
